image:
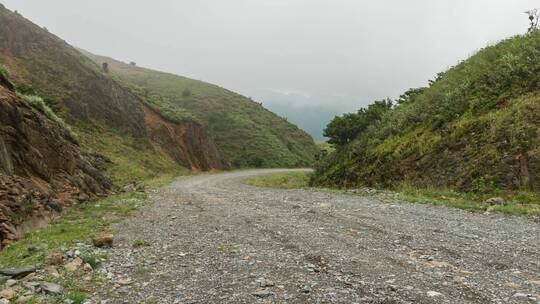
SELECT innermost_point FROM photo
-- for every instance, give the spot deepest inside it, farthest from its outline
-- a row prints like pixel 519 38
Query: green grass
pixel 247 134
pixel 140 243
pixel 288 180
pixel 132 160
pixel 142 270
pixel 518 203
pixel 76 225
pixel 4 72
pixel 76 287
pixel 77 297
pixel 39 103
pixel 169 110
pixel 93 259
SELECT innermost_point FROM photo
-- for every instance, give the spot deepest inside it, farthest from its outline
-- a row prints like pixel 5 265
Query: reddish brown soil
pixel 186 143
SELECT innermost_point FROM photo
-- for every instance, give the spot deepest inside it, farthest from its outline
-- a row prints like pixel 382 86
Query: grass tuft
pixel 131 160
pixel 4 72
pixel 77 297
pixel 517 203
pixel 140 243
pixel 287 180
pixel 40 104
pixel 76 225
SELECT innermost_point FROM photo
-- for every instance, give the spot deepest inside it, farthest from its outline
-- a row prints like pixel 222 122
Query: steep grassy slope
pixel 476 129
pixel 245 132
pixel 107 117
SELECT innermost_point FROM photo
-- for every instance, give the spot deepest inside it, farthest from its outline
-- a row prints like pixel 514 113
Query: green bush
pixel 90 260
pixel 186 93
pixel 39 103
pixel 165 107
pixel 344 129
pixel 4 72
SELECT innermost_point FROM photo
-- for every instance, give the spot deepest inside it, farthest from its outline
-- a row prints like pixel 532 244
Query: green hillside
pixel 106 118
pixel 245 132
pixel 476 128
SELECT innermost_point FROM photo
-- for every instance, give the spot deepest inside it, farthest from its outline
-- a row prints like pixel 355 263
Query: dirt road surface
pixel 213 239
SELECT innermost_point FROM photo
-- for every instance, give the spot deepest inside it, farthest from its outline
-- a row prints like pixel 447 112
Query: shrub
pixel 91 260
pixel 77 297
pixel 4 72
pixel 4 78
pixel 186 92
pixel 167 108
pixel 256 162
pixel 38 103
pixel 140 243
pixel 344 129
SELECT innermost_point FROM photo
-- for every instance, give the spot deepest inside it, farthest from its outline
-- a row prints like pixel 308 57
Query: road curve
pixel 215 240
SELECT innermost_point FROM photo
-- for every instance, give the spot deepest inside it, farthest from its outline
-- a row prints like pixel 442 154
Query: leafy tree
pixel 410 95
pixel 256 162
pixel 344 129
pixel 438 77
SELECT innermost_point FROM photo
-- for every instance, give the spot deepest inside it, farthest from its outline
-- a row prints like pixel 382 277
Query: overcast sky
pixel 316 55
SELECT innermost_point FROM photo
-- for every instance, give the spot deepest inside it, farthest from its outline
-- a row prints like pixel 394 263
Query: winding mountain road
pixel 213 239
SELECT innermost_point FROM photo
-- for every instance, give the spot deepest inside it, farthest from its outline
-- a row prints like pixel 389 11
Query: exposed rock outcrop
pixel 186 143
pixel 42 168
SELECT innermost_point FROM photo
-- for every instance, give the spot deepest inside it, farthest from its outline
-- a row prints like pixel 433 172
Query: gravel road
pixel 212 239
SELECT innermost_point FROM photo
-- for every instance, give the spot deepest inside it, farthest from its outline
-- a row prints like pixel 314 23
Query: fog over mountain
pixel 307 60
pixel 310 112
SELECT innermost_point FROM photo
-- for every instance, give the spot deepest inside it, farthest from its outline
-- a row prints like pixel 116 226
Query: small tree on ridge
pixel 105 67
pixel 534 17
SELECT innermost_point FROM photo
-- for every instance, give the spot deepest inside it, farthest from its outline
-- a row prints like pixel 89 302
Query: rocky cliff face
pixel 186 143
pixel 42 168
